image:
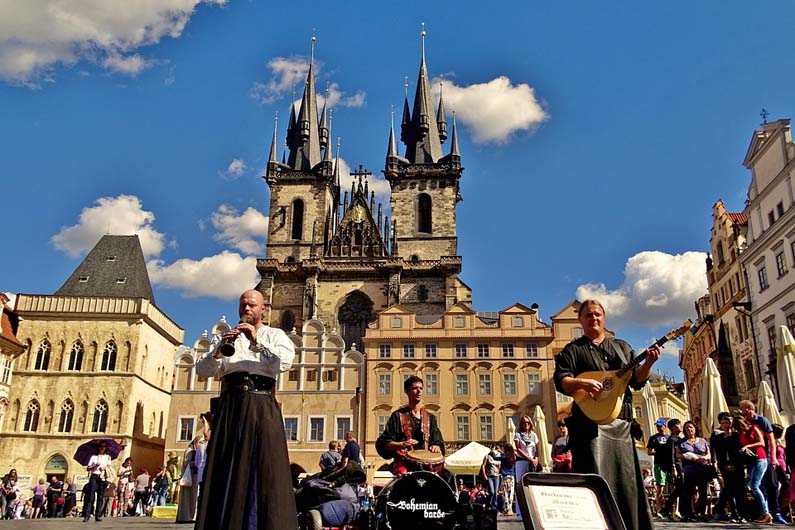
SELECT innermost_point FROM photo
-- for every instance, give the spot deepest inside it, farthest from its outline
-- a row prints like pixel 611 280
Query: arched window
pixel 100 423
pixel 184 373
pixel 297 231
pixel 288 321
pixel 353 316
pixel 67 415
pixel 32 417
pixel 43 356
pixel 109 356
pixel 76 356
pixel 424 214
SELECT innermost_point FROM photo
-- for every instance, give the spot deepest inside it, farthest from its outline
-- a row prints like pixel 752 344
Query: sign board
pixel 566 507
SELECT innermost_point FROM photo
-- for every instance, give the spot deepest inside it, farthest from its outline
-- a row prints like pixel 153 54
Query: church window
pixel 76 356
pixel 288 321
pixel 298 219
pixel 32 417
pixel 424 214
pixel 354 316
pixel 43 356
pixel 422 293
pixel 109 356
pixel 67 415
pixel 100 423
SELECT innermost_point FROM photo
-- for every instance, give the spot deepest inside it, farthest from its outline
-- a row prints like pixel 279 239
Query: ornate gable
pixel 358 234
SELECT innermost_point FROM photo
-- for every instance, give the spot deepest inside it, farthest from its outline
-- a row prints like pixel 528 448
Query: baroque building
pixel 98 363
pixel 10 350
pixel 698 345
pixel 769 253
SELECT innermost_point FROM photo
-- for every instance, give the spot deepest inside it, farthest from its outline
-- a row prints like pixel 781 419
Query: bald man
pixel 247 481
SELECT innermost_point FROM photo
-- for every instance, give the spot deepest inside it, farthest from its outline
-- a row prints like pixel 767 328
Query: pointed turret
pixel 289 141
pixel 327 153
pixel 423 145
pixel 454 140
pixel 391 150
pixel 441 118
pixel 325 126
pixel 405 121
pixel 306 153
pixel 273 157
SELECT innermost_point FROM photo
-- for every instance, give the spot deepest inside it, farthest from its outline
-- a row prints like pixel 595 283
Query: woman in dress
pixel 694 453
pixel 752 451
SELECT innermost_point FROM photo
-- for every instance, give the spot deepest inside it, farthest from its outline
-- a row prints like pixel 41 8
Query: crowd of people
pixel 708 476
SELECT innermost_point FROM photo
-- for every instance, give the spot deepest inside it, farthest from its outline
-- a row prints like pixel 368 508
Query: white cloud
pixel 377 183
pixel 37 35
pixel 290 72
pixel 234 170
pixel 223 276
pixel 122 215
pixel 241 231
pixel 658 289
pixel 493 111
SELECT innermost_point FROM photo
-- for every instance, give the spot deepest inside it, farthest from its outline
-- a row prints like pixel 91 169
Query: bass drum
pixel 416 501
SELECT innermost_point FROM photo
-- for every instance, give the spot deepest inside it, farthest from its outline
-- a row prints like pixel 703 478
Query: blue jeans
pixel 755 473
pixel 493 487
pixel 160 497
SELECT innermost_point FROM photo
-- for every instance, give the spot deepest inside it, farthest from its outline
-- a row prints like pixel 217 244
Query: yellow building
pixel 10 350
pixel 99 363
pixel 479 369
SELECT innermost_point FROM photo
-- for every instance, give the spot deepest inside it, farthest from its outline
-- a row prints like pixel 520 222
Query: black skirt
pixel 247 484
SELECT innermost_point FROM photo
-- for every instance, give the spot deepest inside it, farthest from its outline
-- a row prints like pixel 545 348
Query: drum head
pixel 424 456
pixel 417 501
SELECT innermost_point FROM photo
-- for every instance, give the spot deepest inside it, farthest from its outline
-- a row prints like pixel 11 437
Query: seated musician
pixel 410 428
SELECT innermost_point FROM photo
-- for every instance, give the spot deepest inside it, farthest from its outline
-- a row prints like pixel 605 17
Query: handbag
pixel 187 477
pixel 748 456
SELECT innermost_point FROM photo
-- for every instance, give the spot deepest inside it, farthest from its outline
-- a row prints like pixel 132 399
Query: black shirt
pixel 725 449
pixel 662 458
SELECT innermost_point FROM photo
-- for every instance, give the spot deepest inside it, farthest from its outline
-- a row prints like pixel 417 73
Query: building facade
pixel 699 344
pixel 769 253
pixel 98 363
pixel 731 322
pixel 10 350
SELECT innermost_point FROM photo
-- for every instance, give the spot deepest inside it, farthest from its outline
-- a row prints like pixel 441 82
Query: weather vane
pixel 764 115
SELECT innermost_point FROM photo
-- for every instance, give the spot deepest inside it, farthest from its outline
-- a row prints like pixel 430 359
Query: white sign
pixel 563 507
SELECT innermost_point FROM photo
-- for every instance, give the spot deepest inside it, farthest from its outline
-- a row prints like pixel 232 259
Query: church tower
pixel 425 184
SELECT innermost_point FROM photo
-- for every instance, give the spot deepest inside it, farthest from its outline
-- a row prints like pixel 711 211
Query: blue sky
pixel 595 136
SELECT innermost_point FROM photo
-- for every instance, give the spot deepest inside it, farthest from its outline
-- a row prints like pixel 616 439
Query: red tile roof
pixel 738 218
pixel 8 325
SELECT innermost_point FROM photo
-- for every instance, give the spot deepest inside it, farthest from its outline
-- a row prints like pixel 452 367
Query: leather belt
pixel 246 382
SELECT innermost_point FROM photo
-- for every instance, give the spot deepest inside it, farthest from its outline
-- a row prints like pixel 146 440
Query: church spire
pixel 274 156
pixel 306 153
pixel 324 124
pixel 454 140
pixel 391 149
pixel 423 145
pixel 441 118
pixel 405 122
pixel 327 153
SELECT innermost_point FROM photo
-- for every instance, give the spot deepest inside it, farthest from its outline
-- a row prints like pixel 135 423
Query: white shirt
pixel 273 352
pixel 101 461
pixel 527 442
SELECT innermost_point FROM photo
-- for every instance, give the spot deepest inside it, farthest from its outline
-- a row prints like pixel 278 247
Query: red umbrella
pixel 86 450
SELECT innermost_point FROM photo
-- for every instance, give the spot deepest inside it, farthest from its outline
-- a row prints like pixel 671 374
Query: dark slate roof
pixel 114 267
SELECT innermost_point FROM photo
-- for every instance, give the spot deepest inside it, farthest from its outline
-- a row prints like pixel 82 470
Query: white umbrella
pixel 510 431
pixel 650 410
pixel 467 460
pixel 766 405
pixel 713 402
pixel 544 451
pixel 785 371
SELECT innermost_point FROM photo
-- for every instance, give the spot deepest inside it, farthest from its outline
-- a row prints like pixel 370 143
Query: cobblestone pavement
pixel 145 523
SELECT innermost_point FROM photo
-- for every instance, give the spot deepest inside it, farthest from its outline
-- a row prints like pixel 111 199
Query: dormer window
pixel 121 280
pixel 83 279
pixel 110 258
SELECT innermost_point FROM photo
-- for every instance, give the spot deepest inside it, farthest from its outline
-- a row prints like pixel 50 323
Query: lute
pixel 604 406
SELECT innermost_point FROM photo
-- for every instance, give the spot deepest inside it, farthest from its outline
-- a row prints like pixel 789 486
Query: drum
pixel 423 460
pixel 416 501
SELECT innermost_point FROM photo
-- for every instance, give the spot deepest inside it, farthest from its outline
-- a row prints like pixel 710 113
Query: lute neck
pixel 640 358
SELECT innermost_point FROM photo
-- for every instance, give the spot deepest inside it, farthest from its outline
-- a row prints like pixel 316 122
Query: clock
pixel 358 213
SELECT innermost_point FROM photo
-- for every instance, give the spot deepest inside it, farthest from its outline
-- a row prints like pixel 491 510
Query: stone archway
pixel 354 315
pixel 57 466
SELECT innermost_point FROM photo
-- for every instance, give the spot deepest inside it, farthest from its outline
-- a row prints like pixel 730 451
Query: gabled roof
pixel 738 218
pixel 574 304
pixel 8 325
pixel 760 137
pixel 460 307
pixel 518 308
pixel 114 267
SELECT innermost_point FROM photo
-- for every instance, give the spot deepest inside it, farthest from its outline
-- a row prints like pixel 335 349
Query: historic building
pixel 735 357
pixel 10 350
pixel 769 253
pixel 98 363
pixel 699 344
pixel 479 369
